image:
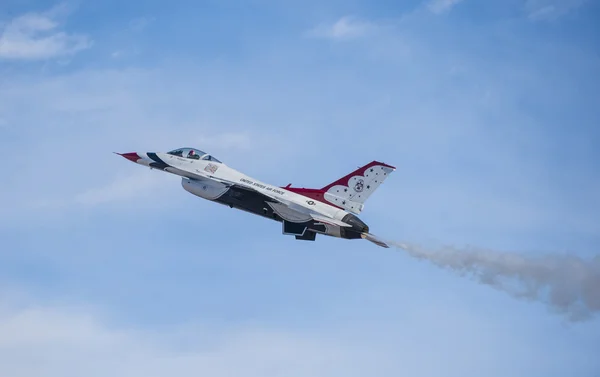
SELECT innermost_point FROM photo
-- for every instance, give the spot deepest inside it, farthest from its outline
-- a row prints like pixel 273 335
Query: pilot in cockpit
pixel 192 154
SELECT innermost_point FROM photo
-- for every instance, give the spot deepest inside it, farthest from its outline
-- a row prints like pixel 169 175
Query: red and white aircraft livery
pixel 303 212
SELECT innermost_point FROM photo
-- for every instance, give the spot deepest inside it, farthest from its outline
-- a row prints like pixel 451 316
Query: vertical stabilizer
pixel 351 191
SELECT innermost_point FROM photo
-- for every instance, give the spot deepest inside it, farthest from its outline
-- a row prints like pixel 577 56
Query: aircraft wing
pixel 293 211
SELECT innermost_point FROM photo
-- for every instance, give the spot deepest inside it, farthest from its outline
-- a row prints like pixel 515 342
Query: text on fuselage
pixel 260 185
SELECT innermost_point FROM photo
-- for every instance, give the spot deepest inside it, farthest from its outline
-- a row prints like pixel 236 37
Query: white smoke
pixel 567 283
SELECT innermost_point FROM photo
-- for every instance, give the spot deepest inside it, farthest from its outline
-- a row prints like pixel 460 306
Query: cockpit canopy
pixel 192 153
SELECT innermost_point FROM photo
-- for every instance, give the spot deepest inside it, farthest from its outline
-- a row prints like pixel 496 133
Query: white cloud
pixel 73 340
pixel 97 112
pixel 140 181
pixel 548 10
pixel 88 115
pixel 145 181
pixel 345 28
pixel 121 189
pixel 93 113
pixel 441 6
pixel 37 36
pixel 66 341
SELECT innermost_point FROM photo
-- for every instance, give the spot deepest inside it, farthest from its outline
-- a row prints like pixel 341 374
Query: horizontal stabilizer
pixel 329 220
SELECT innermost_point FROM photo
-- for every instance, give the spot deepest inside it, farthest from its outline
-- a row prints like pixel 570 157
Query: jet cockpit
pixel 193 153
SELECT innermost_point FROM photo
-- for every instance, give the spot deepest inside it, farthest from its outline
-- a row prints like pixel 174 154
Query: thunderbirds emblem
pixel 211 168
pixel 358 187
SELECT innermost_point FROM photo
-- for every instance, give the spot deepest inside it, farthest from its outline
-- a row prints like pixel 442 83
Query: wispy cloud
pixel 37 36
pixel 63 340
pixel 487 154
pixel 347 27
pixel 548 10
pixel 94 106
pixel 125 188
pixel 120 189
pixel 442 6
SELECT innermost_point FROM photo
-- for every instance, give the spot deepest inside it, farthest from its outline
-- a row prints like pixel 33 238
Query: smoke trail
pixel 567 283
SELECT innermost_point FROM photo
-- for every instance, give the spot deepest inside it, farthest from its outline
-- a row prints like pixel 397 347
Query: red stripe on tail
pixel 319 194
pixel 360 171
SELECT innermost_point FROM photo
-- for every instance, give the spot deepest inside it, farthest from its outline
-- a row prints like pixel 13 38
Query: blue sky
pixel 490 111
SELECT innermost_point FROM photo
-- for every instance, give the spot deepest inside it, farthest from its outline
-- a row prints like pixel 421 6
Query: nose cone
pixel 134 157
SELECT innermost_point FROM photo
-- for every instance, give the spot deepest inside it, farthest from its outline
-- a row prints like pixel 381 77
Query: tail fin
pixel 351 191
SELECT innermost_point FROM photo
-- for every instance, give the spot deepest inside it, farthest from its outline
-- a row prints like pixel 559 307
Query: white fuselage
pixel 303 213
pixel 217 176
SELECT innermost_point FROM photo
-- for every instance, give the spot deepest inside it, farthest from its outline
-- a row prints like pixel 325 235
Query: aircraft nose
pixel 132 156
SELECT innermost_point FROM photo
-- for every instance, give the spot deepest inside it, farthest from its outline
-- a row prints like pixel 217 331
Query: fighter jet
pixel 303 212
